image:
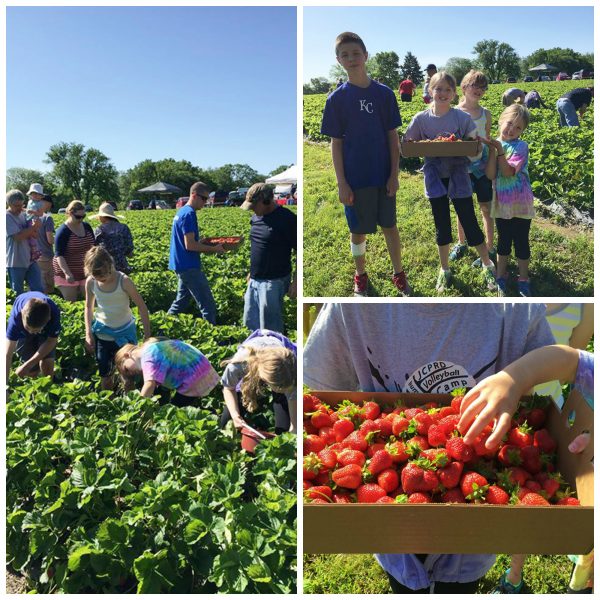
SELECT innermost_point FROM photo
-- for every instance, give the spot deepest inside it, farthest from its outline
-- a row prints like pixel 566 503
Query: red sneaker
pixel 401 284
pixel 361 283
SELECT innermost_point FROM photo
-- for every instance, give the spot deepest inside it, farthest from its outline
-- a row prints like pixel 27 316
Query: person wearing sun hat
pixel 114 236
pixel 40 204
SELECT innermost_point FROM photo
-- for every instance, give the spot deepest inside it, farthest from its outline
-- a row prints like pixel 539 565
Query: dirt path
pixel 15 584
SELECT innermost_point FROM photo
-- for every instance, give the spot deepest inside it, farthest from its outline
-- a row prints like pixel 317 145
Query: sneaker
pixel 489 277
pixel 524 289
pixel 361 283
pixel 501 283
pixel 493 256
pixel 457 251
pixel 401 284
pixel 506 587
pixel 443 280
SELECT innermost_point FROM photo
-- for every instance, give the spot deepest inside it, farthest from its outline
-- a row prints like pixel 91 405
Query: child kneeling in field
pixel 172 364
pixel 266 359
pixel 112 324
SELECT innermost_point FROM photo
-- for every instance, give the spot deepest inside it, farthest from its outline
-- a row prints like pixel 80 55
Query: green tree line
pixel 88 175
pixel 498 60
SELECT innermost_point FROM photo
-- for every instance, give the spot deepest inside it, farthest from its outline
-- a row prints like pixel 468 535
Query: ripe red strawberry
pixel 384 426
pixel 436 436
pixel 418 443
pixel 449 423
pixel 374 448
pixel 496 495
pixel 454 495
pixel 381 460
pixel 544 441
pixel 343 428
pixel 411 413
pixel 356 441
pixel 369 493
pixel 535 418
pixel 551 485
pixel 531 459
pixel 449 476
pixel 439 457
pixel 306 484
pixel 510 456
pixel 321 419
pixel 533 485
pixel 309 403
pixel 400 425
pixel 446 411
pixel 323 477
pixel 474 486
pixel 424 422
pixel 351 457
pixel 367 427
pixel 327 434
pixel 518 476
pixel 457 400
pixel 533 499
pixel 458 450
pixel 397 450
pixel 311 466
pixel 479 444
pixel 342 498
pixel 385 500
pixel 419 498
pixel 312 443
pixel 568 501
pixel 388 480
pixel 319 491
pixel 349 477
pixel 309 428
pixel 416 479
pixel 520 436
pixel 328 458
pixel 371 410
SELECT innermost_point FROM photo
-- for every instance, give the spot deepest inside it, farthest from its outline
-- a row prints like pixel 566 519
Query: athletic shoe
pixel 457 251
pixel 443 280
pixel 361 283
pixel 506 587
pixel 493 256
pixel 524 288
pixel 489 277
pixel 401 284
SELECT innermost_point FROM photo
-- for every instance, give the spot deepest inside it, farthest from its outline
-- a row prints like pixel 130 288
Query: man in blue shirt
pixel 184 257
pixel 32 331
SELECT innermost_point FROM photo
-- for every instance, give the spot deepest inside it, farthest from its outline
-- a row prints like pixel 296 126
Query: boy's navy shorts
pixel 29 345
pixel 105 355
pixel 372 206
pixel 482 187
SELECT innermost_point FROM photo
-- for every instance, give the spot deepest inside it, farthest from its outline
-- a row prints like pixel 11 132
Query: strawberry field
pixel 114 493
pixel 562 158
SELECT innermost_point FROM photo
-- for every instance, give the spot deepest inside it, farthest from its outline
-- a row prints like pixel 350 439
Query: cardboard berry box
pixel 464 528
pixel 459 148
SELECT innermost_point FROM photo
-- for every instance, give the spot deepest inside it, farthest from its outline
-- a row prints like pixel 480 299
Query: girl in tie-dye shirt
pixel 172 364
pixel 512 206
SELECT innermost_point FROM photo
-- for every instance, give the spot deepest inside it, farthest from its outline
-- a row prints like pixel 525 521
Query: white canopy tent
pixel 288 176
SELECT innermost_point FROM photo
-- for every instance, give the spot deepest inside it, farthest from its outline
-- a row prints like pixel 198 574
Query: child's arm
pixel 137 299
pixel 498 157
pixel 337 154
pixel 148 388
pixel 11 346
pixel 497 397
pixel 584 331
pixel 394 144
pixel 88 314
pixel 230 397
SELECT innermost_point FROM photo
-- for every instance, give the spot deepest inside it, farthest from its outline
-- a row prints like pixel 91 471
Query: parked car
pixel 511 80
pixel 112 203
pixel 496 81
pixel 528 78
pixel 583 74
pixel 562 77
pixel 162 205
pixel 236 197
pixel 181 201
pixel 62 211
pixel 545 78
pixel 135 205
pixel 218 197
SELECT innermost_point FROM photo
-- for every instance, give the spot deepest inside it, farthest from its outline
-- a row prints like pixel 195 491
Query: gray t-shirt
pixel 47 226
pixel 418 348
pixel 18 252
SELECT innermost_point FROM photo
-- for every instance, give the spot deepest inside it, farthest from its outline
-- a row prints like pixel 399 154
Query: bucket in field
pixel 250 439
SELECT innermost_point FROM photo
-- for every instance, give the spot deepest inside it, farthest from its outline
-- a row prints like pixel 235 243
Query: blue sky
pixel 435 34
pixel 209 85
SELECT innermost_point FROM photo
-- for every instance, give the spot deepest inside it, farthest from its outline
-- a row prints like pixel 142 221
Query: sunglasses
pixel 205 198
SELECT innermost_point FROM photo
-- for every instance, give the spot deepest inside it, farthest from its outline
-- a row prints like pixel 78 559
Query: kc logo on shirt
pixel 366 106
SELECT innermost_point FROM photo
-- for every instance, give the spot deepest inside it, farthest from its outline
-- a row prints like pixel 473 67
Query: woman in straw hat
pixel 114 236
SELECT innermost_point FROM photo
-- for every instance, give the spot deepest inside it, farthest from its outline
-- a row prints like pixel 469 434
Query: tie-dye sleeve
pixel 154 364
pixel 518 158
pixel 584 378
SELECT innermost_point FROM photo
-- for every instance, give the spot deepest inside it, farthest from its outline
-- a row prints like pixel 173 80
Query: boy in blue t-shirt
pixel 361 116
pixel 32 331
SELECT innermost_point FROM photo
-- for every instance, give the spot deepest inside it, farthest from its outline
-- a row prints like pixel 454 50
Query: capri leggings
pixel 440 207
pixel 280 408
pixel 515 230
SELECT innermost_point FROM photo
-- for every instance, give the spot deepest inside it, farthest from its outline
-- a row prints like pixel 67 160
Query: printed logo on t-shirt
pixel 439 377
pixel 366 106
